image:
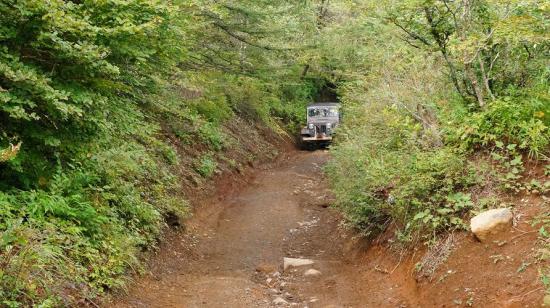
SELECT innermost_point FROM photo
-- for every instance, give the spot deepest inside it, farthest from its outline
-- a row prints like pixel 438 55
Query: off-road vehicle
pixel 322 119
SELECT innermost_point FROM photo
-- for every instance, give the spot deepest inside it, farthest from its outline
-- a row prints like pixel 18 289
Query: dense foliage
pixel 89 92
pixel 431 84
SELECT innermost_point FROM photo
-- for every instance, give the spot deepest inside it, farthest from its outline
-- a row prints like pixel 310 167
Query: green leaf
pixel 516 161
pixel 444 211
pixel 543 232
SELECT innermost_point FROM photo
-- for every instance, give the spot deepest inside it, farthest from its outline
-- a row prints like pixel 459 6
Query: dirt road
pixel 232 256
pixel 232 252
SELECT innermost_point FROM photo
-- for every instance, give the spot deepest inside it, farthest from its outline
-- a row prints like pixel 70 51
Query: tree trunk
pixel 468 69
pixel 452 71
pixel 484 76
pixel 470 74
pixel 304 72
pixel 441 44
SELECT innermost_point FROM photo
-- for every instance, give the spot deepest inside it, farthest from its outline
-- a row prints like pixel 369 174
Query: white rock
pixel 279 301
pixel 312 272
pixel 491 222
pixel 295 262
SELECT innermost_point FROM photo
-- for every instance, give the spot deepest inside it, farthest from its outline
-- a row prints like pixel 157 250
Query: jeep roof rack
pixel 323 104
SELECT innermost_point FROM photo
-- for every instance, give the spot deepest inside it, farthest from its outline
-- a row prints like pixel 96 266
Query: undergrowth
pixel 416 157
pixel 383 173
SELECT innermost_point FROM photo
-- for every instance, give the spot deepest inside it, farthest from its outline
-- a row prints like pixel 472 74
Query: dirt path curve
pixel 233 254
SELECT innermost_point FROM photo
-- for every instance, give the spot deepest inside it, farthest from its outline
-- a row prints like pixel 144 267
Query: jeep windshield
pixel 322 112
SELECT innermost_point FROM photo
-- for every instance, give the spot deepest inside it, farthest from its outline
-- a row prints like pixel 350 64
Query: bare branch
pixel 411 33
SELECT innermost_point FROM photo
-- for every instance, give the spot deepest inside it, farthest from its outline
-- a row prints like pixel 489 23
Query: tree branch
pixel 411 33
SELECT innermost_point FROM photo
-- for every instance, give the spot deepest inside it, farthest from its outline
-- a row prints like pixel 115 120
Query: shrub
pixel 215 111
pixel 206 165
pixel 211 135
pixel 382 172
pixel 522 120
pixel 61 242
pixel 420 191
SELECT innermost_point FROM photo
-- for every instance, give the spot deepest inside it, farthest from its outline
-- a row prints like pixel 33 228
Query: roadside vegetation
pixel 446 107
pixel 446 104
pixel 99 100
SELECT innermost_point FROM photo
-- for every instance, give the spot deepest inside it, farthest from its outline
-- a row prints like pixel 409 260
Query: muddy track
pixel 232 252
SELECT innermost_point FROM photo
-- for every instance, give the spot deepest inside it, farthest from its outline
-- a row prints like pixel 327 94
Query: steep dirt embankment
pixel 231 254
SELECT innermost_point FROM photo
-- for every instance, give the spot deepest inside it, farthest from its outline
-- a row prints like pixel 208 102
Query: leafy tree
pixel 478 40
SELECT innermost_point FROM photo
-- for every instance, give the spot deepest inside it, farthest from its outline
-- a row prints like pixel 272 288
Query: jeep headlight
pixel 310 126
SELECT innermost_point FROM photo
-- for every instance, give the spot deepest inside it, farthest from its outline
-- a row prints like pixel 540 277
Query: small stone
pixel 279 301
pixel 295 262
pixel 491 222
pixel 312 272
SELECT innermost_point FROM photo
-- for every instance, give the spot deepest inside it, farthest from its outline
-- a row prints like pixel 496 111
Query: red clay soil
pixel 231 254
